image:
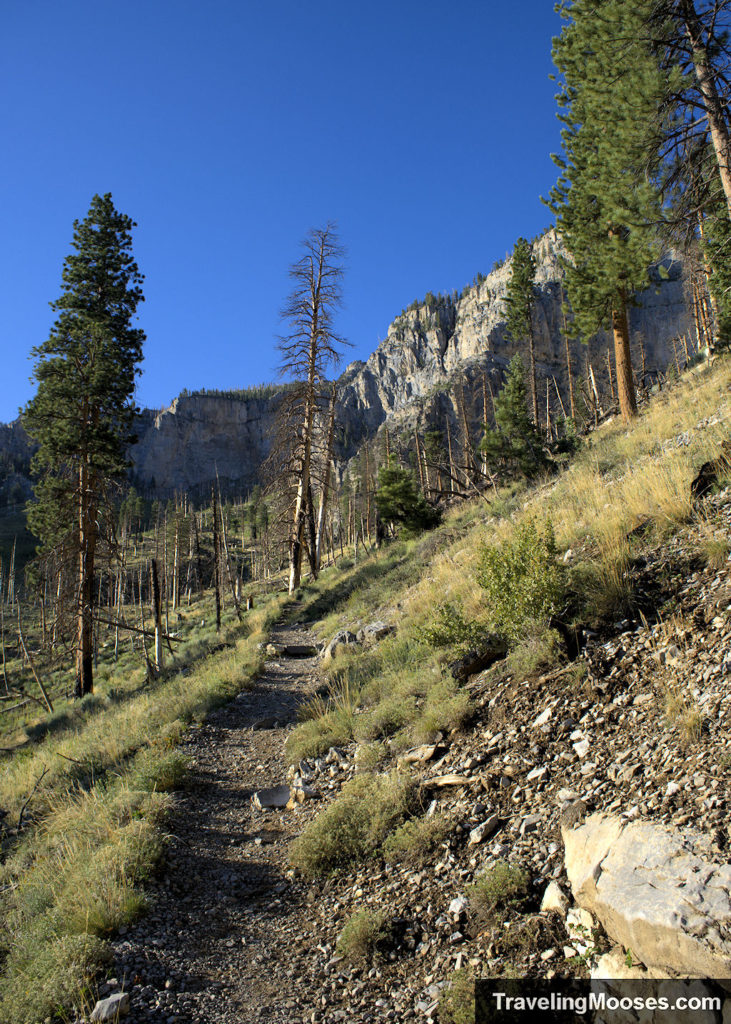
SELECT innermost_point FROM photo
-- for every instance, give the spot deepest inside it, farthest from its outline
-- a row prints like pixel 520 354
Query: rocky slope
pixel 407 380
pixel 237 935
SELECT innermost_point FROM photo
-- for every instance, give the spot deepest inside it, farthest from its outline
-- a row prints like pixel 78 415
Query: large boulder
pixel 342 640
pixel 374 632
pixel 656 891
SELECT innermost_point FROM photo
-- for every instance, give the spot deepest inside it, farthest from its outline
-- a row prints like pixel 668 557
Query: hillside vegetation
pixel 84 790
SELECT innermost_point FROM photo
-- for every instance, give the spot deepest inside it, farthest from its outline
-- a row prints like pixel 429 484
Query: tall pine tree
pixel 519 308
pixel 83 413
pixel 514 447
pixel 613 100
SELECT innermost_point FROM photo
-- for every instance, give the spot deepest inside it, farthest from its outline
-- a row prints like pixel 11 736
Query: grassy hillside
pixel 83 793
pixel 84 790
pixel 571 547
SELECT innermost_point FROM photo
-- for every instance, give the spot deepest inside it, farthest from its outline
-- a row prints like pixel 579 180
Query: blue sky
pixel 227 130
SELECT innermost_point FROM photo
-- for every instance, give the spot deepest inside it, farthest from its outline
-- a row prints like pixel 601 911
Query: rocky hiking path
pixel 217 945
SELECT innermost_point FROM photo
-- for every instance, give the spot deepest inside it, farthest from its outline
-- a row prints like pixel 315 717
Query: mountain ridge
pixel 405 382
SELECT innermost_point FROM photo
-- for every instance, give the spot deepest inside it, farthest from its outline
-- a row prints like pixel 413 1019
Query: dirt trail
pixel 220 943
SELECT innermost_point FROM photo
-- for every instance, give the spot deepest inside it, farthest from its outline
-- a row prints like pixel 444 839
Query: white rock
pixel 458 906
pixel 554 899
pixel 543 718
pixel 582 747
pixel 111 1008
pixel 484 830
pixel 655 891
pixel 277 796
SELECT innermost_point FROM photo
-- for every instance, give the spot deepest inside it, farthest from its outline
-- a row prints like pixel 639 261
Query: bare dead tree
pixel 309 350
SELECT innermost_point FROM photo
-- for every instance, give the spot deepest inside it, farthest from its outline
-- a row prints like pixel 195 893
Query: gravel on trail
pixel 218 944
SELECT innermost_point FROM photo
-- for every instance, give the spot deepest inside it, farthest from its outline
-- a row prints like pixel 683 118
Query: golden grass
pixel 77 872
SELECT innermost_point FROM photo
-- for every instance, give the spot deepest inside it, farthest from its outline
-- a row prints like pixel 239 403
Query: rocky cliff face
pixel 408 377
pixel 407 380
pixel 184 446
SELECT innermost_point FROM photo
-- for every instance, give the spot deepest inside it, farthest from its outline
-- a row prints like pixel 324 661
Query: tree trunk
pixel 85 584
pixel 216 561
pixel 451 459
pixel 2 647
pixel 229 572
pixel 311 533
pixel 712 297
pixel 569 369
pixel 325 493
pixel 623 361
pixel 709 93
pixel 533 381
pixel 176 565
pixel 609 375
pixel 157 606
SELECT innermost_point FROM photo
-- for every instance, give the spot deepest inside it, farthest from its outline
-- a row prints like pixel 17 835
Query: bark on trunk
pixel 157 606
pixel 325 493
pixel 216 561
pixel 709 93
pixel 623 361
pixel 533 381
pixel 569 368
pixel 85 584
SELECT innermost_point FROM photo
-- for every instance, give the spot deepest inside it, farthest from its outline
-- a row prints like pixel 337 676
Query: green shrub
pixel 369 755
pixel 535 654
pixel 446 708
pixel 315 736
pixel 386 718
pixel 415 840
pixel 48 972
pixel 457 1001
pixel 451 629
pixel 500 887
pixel 605 586
pixel 354 826
pixel 364 935
pixel 158 770
pixel 523 581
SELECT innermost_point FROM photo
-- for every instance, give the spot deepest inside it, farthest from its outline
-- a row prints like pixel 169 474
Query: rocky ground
pixel 636 726
pixel 218 945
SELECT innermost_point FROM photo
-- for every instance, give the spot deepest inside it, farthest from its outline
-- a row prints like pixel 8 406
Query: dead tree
pixel 310 349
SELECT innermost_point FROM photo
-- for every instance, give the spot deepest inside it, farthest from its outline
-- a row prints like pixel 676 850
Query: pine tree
pixel 519 309
pixel 83 414
pixel 716 246
pixel 612 100
pixel 514 446
pixel 399 499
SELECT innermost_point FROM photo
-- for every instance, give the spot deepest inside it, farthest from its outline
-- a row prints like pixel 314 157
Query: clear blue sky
pixel 228 129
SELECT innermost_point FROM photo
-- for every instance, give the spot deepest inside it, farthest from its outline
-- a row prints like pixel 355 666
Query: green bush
pixel 159 771
pixel 457 1001
pixel 523 581
pixel 446 708
pixel 451 629
pixel 400 501
pixel 50 972
pixel 364 935
pixel 354 826
pixel 386 718
pixel 500 887
pixel 535 654
pixel 415 840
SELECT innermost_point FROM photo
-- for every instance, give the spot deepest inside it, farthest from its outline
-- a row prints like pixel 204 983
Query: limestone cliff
pixel 408 378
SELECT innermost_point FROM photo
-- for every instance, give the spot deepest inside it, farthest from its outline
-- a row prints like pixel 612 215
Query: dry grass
pixel 355 825
pixel 95 791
